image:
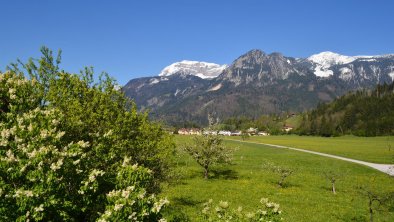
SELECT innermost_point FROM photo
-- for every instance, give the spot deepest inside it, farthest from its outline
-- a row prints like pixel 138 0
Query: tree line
pixel 361 113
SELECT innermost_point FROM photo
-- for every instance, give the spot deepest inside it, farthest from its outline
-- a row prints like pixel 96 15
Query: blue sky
pixel 130 39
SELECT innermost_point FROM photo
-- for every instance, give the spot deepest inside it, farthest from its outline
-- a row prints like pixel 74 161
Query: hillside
pixel 362 113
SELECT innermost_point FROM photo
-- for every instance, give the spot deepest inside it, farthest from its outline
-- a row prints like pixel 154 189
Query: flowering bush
pixel 267 211
pixel 73 150
pixel 17 94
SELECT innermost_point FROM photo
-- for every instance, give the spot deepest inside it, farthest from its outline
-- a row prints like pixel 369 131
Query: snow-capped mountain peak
pixel 324 60
pixel 327 59
pixel 203 70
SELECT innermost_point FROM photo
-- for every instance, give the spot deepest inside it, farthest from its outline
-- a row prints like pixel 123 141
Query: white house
pixel 225 133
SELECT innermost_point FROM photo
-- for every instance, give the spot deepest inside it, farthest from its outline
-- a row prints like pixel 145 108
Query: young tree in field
pixel 374 201
pixel 378 201
pixel 75 150
pixel 244 135
pixel 332 177
pixel 282 172
pixel 209 150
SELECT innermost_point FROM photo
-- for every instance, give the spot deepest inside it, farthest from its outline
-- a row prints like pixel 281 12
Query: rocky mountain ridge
pixel 255 83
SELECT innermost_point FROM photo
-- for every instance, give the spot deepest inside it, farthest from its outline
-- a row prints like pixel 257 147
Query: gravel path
pixel 385 168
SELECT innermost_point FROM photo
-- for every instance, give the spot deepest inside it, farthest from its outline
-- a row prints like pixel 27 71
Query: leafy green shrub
pixel 75 150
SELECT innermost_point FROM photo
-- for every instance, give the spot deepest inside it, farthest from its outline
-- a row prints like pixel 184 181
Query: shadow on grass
pixel 225 174
pixel 217 173
pixel 286 184
pixel 175 214
pixel 191 174
pixel 186 201
pixel 352 218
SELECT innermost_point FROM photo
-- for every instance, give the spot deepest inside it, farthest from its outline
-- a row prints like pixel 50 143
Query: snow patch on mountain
pixel 325 60
pixel 391 74
pixel 154 81
pixel 215 88
pixel 367 60
pixel 385 56
pixel 346 73
pixel 321 71
pixel 204 70
pixel 176 92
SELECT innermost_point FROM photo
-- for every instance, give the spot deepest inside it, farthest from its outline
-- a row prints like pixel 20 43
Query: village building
pixel 263 133
pixel 252 131
pixel 287 128
pixel 236 133
pixel 191 131
pixel 224 133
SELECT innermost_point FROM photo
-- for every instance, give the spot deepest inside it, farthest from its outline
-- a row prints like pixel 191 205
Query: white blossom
pixel 20 193
pixel 55 122
pixel 44 133
pixel 264 200
pixel 11 91
pixel 158 205
pixel 23 168
pixel 60 135
pixel 135 166
pixel 142 194
pixel 118 207
pixel 126 161
pixel 94 174
pixel 57 165
pixel 12 96
pixel 10 157
pixel 40 208
pixel 125 193
pixel 109 133
pixel 108 213
pixel 32 154
pixel 83 144
pixel 132 216
pixel 5 133
pixel 30 127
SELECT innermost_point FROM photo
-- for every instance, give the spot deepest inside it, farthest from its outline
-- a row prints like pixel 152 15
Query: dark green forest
pixel 360 113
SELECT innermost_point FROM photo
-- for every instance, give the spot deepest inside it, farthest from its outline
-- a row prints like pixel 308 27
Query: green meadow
pixel 306 195
pixel 370 149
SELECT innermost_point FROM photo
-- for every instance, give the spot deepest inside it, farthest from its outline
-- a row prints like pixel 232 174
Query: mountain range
pixel 255 83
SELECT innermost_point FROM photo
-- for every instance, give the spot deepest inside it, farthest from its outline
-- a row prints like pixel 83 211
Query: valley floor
pixel 306 195
pixel 369 149
pixel 385 168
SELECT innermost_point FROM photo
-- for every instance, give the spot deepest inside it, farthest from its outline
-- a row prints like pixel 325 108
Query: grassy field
pixel 371 149
pixel 306 197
